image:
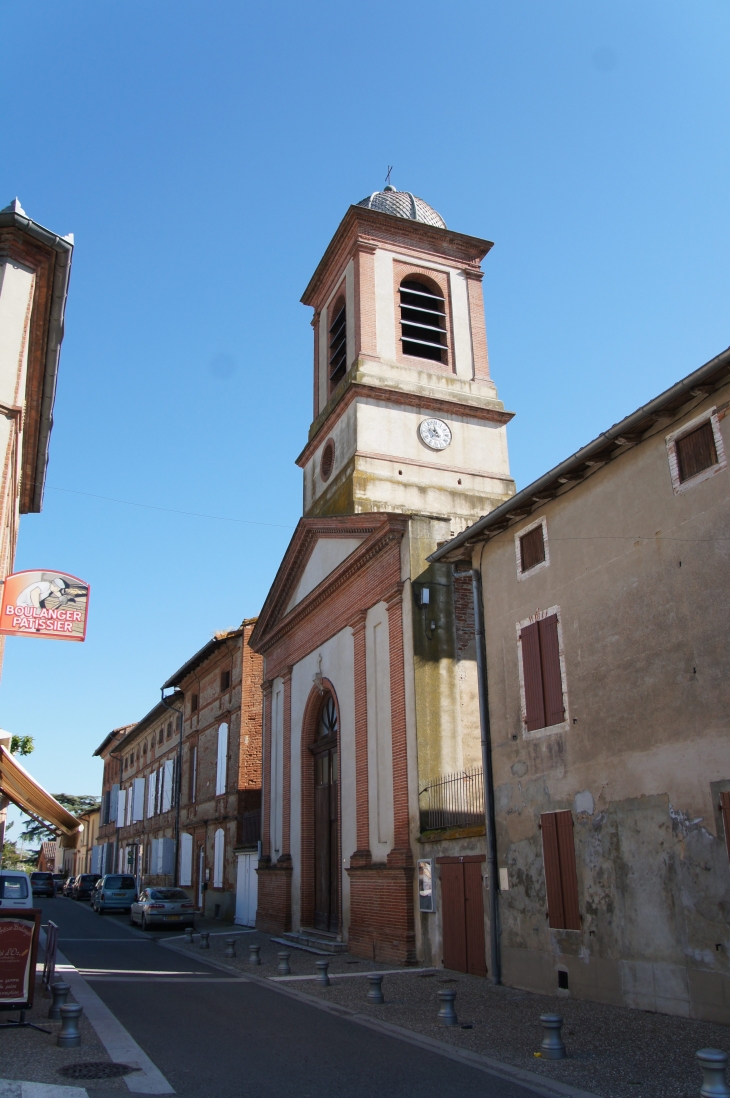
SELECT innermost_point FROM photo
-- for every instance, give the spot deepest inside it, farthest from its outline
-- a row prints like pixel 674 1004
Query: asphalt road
pixel 230 1040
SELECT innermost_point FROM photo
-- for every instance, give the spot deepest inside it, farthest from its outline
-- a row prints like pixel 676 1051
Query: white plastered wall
pixel 276 816
pixel 380 738
pixel 337 666
pixel 326 555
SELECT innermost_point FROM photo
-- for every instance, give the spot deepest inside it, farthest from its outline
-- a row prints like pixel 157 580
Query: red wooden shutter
pixel 453 916
pixel 696 451
pixel 552 682
pixel 532 675
pixel 561 878
pixel 475 960
pixel 532 549
pixel 725 809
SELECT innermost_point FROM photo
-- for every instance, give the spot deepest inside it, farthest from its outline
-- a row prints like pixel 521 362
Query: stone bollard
pixel 253 955
pixel 713 1062
pixel 230 947
pixel 283 966
pixel 188 935
pixel 70 1035
pixel 447 1012
pixel 552 1046
pixel 375 989
pixel 323 975
pixel 60 992
pixel 205 939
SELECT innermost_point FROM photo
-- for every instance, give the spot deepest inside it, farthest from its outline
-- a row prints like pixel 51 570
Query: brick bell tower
pixel 406 416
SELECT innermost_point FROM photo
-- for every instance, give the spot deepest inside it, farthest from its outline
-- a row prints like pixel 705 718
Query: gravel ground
pixel 26 1054
pixel 612 1051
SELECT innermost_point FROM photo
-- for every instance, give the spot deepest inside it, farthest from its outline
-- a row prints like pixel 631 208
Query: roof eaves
pixel 116 733
pixel 618 435
pixel 200 656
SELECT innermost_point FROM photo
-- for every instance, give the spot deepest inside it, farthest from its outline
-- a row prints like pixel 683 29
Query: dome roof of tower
pixel 403 204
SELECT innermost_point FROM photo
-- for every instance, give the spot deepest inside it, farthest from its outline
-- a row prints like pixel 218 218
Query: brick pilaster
pixel 401 845
pixel 478 325
pixel 365 335
pixel 266 760
pixel 286 767
pixel 362 855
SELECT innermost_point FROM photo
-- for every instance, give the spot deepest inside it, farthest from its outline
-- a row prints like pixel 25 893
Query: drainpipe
pixel 489 816
pixel 178 784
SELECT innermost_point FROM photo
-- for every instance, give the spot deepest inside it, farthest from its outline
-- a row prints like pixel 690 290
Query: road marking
pixel 118 1042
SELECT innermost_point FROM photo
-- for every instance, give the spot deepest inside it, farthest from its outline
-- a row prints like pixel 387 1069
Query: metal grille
pixel 96 1070
pixel 456 800
pixel 250 828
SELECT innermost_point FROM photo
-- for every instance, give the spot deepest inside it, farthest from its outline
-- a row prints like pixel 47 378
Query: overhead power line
pixel 169 510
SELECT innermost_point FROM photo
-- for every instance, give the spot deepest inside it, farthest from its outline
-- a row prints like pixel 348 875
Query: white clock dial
pixel 435 433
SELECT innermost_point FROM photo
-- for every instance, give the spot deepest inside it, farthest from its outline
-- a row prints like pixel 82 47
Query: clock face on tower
pixel 435 433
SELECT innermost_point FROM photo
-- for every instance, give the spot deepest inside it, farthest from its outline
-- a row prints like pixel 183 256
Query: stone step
pixel 312 941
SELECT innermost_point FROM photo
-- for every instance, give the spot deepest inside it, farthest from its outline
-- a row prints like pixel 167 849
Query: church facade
pixel 372 749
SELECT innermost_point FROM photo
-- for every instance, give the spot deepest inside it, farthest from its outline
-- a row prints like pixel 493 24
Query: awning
pixel 25 792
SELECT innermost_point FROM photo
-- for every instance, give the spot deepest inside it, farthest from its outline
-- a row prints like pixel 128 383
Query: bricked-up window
pixel 161 734
pixel 541 672
pixel 169 730
pixel 422 321
pixel 326 465
pixel 194 703
pixel 561 879
pixel 225 680
pixel 532 548
pixel 338 344
pixel 696 452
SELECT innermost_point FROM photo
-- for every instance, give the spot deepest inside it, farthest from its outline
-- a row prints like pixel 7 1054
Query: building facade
pixel 370 681
pixel 606 596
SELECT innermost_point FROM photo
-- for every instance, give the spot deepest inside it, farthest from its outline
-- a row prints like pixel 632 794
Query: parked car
pixel 15 889
pixel 114 890
pixel 59 881
pixel 83 885
pixel 41 884
pixel 162 907
pixel 68 885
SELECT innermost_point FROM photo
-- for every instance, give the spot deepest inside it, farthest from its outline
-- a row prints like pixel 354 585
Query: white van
pixel 15 890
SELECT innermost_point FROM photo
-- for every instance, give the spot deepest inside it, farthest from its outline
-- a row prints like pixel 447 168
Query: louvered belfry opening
pixel 696 452
pixel 338 344
pixel 422 321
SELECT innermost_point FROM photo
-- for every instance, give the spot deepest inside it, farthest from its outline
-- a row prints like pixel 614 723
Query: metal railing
pixel 455 800
pixel 49 965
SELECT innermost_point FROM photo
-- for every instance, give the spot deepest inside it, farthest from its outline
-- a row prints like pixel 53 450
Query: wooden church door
pixel 326 812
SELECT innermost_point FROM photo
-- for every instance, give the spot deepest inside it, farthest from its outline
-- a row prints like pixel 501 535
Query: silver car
pixel 162 907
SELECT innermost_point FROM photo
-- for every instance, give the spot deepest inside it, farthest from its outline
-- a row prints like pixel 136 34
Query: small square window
pixel 696 452
pixel 194 703
pixel 532 548
pixel 225 680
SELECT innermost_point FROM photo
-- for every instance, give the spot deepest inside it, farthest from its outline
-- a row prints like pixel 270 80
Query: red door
pixel 462 914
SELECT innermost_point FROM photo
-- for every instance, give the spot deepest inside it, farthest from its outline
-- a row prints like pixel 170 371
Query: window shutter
pixel 532 675
pixel 121 795
pixel 138 809
pixel 218 855
pixel 167 785
pixel 186 859
pixel 552 683
pixel 220 777
pixel 151 795
pixel 696 451
pixel 114 804
pixel 561 877
pixel 532 549
pixel 725 809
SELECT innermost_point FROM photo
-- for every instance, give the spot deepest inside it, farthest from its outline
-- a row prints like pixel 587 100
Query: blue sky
pixel 203 154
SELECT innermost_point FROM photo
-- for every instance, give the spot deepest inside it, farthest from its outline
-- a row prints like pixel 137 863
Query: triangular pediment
pixel 319 551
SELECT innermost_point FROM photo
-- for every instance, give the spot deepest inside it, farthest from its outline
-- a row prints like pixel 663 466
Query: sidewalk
pixel 613 1052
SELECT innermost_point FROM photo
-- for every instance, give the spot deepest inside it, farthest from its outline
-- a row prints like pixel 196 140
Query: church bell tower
pixel 406 416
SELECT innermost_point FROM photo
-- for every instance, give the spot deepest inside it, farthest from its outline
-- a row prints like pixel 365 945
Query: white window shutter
pixel 218 856
pixel 167 786
pixel 151 794
pixel 121 797
pixel 138 809
pixel 220 776
pixel 186 859
pixel 168 856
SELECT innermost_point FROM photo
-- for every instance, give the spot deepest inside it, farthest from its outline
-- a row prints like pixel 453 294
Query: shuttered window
pixel 696 452
pixel 541 674
pixel 561 879
pixel 725 809
pixel 338 344
pixel 422 320
pixel 532 549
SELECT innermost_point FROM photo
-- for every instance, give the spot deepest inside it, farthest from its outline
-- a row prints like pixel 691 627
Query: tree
pixel 36 832
pixel 21 745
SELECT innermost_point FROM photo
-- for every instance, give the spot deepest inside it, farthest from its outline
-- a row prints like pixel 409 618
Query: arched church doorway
pixel 326 812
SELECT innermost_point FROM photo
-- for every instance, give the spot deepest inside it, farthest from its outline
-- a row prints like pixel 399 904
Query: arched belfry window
pixel 338 344
pixel 422 321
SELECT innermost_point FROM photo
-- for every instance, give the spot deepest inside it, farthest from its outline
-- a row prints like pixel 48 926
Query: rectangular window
pixel 169 730
pixel 696 452
pixel 161 734
pixel 194 704
pixel 532 548
pixel 542 674
pixel 225 680
pixel 561 879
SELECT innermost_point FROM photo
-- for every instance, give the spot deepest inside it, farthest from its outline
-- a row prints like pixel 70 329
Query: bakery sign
pixel 44 604
pixel 18 953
